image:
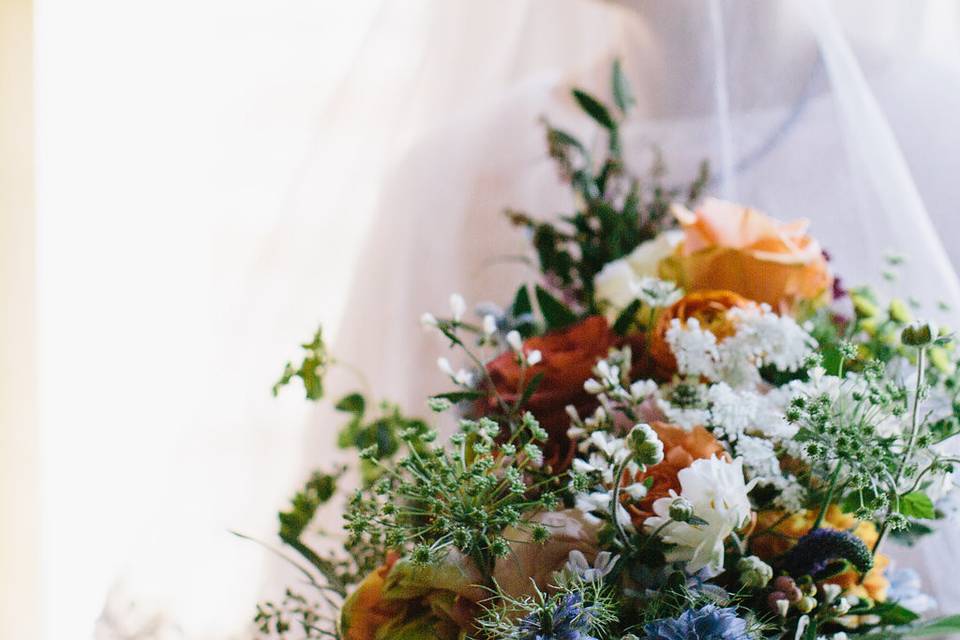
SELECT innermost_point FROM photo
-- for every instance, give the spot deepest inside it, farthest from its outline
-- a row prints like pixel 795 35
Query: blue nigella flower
pixel 709 622
pixel 568 620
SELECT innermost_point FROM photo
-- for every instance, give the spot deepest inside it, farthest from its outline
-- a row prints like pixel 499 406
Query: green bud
pixel 681 510
pixel 863 307
pixel 645 445
pixel 918 334
pixel 899 312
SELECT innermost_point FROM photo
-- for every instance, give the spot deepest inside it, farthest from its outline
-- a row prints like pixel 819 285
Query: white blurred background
pixel 189 155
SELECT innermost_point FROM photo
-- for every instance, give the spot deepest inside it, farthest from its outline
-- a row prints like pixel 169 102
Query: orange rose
pixel 709 308
pixel 569 356
pixel 777 534
pixel 730 246
pixel 366 610
pixel 680 449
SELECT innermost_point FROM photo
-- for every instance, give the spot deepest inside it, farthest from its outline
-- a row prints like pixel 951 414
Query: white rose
pixel 645 259
pixel 615 286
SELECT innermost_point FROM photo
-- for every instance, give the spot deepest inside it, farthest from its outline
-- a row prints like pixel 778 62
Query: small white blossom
pixel 428 320
pixel 534 357
pixel 515 341
pixel 458 306
pixel 489 325
pixel 444 365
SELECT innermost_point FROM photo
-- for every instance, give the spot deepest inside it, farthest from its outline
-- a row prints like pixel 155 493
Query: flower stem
pixel 834 475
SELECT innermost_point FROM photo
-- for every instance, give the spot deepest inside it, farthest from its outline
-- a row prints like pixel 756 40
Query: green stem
pixel 834 475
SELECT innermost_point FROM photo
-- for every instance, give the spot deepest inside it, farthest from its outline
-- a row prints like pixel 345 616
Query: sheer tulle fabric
pixel 786 104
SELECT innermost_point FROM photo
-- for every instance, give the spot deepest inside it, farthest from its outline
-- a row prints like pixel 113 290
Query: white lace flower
pixel 694 348
pixel 718 493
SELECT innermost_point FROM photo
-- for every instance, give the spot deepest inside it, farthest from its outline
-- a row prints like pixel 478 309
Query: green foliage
pixel 556 314
pixel 916 504
pixel 312 369
pixel 303 506
pixel 461 497
pixel 382 432
pixel 619 210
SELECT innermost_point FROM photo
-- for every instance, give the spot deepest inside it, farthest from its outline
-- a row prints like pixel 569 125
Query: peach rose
pixel 710 310
pixel 776 534
pixel 680 449
pixel 733 247
pixel 569 356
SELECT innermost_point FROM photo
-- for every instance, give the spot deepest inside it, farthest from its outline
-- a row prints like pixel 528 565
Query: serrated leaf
pixel 626 318
pixel 594 108
pixel 556 314
pixel 353 403
pixel 917 504
pixel 622 93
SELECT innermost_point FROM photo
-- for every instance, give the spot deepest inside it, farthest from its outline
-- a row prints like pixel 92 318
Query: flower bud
pixel 754 572
pixel 841 607
pixel 899 312
pixel 645 445
pixel 918 334
pixel 681 510
pixel 807 604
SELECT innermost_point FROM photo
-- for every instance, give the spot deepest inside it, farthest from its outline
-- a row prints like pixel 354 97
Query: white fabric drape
pixel 215 177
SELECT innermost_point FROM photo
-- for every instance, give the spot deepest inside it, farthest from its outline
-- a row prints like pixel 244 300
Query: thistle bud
pixel 754 572
pixel 681 510
pixel 918 334
pixel 645 444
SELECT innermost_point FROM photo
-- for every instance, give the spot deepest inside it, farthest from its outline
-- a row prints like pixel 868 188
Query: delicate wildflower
pixel 603 564
pixel 458 306
pixel 709 622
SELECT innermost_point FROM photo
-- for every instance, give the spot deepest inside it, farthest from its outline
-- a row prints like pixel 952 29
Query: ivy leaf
pixel 622 93
pixel 594 109
pixel 556 314
pixel 353 403
pixel 917 504
pixel 625 319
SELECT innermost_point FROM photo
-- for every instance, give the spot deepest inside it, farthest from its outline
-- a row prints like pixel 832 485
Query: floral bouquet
pixel 685 429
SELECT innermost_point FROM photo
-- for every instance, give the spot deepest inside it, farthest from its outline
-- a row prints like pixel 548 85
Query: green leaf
pixel 917 504
pixel 892 613
pixel 556 314
pixel 594 108
pixel 531 388
pixel 939 627
pixel 622 94
pixel 560 136
pixel 521 303
pixel 353 403
pixel 626 317
pixel 460 396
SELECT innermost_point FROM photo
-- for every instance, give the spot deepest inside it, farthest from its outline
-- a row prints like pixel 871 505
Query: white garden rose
pixel 615 287
pixel 622 281
pixel 645 259
pixel 718 493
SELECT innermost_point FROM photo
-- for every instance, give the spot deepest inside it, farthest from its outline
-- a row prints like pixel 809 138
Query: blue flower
pixel 707 623
pixel 567 620
pixel 905 590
